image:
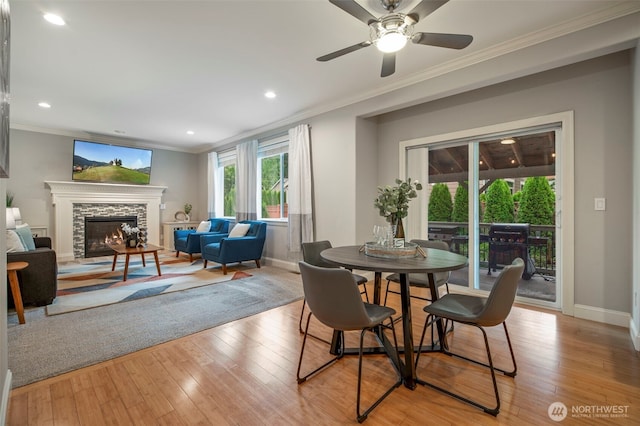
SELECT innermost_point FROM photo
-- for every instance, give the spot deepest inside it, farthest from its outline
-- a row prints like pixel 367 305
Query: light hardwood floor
pixel 244 373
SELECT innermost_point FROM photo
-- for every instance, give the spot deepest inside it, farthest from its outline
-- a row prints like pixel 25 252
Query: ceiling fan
pixel 390 32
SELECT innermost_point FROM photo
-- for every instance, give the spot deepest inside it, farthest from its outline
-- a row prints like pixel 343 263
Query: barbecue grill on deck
pixel 508 241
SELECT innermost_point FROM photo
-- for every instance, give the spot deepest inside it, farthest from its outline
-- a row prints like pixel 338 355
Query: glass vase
pixel 398 237
pixel 132 241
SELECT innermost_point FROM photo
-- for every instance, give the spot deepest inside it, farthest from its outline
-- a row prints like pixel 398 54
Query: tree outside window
pixel 274 179
pixel 229 190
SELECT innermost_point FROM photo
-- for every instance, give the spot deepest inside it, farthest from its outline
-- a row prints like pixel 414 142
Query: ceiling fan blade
pixel 451 41
pixel 388 64
pixel 425 8
pixel 354 9
pixel 338 53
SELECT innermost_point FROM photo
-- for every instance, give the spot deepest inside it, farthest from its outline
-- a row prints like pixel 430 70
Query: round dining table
pixel 354 257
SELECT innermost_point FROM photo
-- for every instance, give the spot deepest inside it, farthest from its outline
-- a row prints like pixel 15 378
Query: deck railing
pixel 541 244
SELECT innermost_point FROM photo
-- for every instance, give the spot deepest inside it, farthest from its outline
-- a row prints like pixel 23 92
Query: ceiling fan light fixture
pixel 508 141
pixel 391 32
pixel 391 42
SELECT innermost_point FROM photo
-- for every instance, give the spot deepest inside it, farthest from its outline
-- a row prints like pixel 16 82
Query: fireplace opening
pixel 101 231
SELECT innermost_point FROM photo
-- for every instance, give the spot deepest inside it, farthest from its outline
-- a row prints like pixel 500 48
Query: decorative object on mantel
pixel 393 204
pixel 131 235
pixel 187 210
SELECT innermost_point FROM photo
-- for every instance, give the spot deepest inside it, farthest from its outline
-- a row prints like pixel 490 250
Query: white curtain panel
pixel 299 196
pixel 246 180
pixel 212 179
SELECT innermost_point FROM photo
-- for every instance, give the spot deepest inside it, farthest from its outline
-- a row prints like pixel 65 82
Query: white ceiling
pixel 155 69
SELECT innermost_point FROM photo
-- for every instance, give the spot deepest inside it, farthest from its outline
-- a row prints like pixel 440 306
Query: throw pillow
pixel 240 230
pixel 204 226
pixel 24 232
pixel 14 244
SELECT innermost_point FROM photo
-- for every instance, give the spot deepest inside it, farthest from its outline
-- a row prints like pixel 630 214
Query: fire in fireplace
pixel 101 231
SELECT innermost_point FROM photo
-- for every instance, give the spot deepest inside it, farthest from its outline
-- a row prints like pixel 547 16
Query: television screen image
pixel 99 162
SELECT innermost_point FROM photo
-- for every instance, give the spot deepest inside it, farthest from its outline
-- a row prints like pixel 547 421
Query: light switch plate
pixel 600 204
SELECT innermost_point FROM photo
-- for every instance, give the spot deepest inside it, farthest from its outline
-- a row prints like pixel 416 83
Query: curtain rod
pixel 278 135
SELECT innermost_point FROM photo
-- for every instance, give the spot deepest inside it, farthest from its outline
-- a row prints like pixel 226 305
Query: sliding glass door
pixel 492 198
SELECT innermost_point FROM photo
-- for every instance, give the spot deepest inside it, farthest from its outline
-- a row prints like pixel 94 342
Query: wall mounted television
pixel 101 162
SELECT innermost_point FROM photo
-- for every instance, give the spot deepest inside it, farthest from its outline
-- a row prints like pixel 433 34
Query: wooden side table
pixel 12 272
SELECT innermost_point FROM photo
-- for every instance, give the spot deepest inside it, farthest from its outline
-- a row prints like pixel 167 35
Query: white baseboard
pixel 293 267
pixel 4 403
pixel 282 264
pixel 606 316
pixel 634 333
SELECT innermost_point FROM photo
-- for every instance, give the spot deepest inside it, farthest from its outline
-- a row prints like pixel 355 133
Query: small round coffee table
pixel 12 272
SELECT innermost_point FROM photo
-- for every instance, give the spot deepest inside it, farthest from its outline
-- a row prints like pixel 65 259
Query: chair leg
pixel 326 364
pixel 258 263
pixel 428 321
pixel 309 334
pixel 191 257
pixel 224 269
pixel 495 410
pixel 304 302
pixel 366 294
pixel 386 293
pixel 513 372
pixel 205 263
pixel 363 416
pixel 177 253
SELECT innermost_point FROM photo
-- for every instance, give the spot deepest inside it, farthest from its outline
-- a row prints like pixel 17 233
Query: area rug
pixel 47 346
pixel 92 284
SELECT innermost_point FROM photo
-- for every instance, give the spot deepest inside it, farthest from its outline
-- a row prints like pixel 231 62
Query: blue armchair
pixel 224 249
pixel 188 240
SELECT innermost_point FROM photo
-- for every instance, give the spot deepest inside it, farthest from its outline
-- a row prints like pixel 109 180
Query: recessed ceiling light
pixel 191 132
pixel 54 19
pixel 120 132
pixel 270 94
pixel 44 105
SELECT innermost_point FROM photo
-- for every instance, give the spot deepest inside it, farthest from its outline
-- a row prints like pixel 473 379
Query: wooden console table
pixel 169 227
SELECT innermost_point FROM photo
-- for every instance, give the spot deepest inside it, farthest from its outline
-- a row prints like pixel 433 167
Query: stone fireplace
pixel 74 201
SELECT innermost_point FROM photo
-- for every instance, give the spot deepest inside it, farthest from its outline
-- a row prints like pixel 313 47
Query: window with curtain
pixel 227 163
pixel 273 172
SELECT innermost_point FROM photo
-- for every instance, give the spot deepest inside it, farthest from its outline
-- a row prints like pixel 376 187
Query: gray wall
pixel 599 91
pixel 37 157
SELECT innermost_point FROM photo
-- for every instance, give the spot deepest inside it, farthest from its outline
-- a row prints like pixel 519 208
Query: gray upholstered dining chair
pixel 479 312
pixel 334 299
pixel 421 280
pixel 311 255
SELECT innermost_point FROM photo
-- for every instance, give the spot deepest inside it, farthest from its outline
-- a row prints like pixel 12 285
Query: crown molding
pixel 579 23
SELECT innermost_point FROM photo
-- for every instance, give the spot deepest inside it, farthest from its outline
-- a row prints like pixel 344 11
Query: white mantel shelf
pixel 65 194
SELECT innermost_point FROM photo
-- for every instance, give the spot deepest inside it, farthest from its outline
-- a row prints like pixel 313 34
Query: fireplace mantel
pixel 65 194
